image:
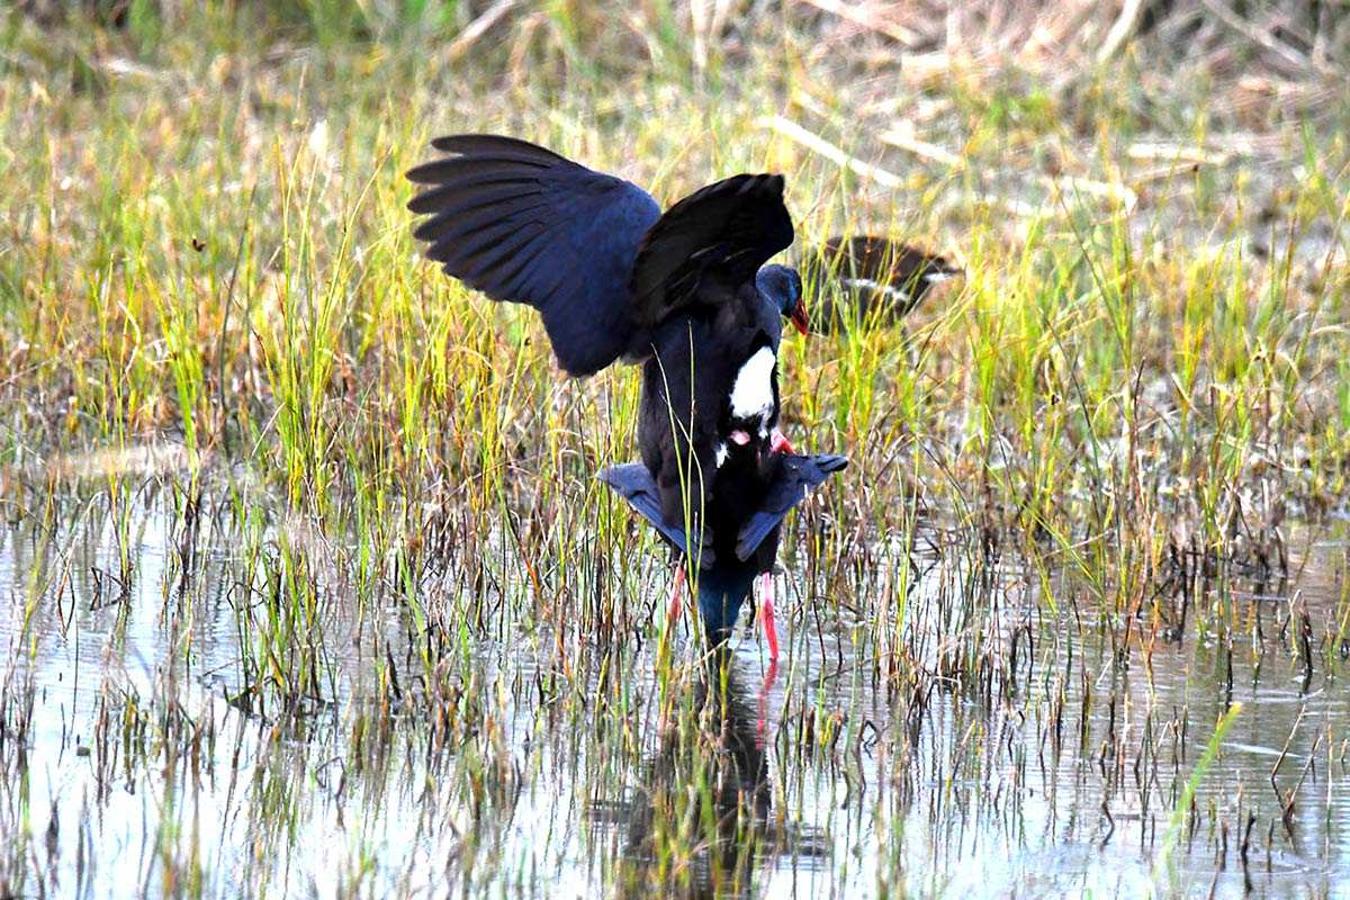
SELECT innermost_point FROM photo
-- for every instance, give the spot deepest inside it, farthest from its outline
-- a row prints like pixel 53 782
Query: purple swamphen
pixel 688 294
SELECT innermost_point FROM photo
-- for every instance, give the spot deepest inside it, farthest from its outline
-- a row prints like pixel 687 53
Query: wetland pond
pixel 425 747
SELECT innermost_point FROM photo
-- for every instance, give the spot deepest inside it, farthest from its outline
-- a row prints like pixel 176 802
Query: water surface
pixel 520 757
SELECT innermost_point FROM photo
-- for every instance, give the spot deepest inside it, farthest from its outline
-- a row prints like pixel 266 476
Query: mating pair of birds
pixel 690 295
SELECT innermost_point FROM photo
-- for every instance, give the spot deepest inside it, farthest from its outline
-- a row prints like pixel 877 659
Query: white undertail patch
pixel 886 290
pixel 752 392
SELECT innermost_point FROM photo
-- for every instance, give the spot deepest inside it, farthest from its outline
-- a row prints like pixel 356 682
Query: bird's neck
pixel 721 594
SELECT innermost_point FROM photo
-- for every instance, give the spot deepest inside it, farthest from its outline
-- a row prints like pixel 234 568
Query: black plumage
pixel 590 251
pixel 742 538
pixel 686 292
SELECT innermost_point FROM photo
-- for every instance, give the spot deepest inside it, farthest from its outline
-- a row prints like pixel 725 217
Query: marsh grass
pixel 387 561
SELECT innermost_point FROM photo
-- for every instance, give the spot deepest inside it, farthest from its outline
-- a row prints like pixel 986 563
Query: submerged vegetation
pixel 303 546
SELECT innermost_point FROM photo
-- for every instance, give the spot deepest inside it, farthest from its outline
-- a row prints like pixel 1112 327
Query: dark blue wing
pixel 525 225
pixel 795 477
pixel 635 484
pixel 724 231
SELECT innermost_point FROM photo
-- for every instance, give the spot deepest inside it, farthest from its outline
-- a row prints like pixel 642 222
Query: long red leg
pixel 766 614
pixel 673 611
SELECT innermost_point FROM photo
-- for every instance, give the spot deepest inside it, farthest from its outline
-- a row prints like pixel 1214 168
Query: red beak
pixel 778 443
pixel 799 319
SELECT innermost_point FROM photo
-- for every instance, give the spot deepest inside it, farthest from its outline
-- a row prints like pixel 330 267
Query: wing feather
pixel 796 476
pixel 635 484
pixel 725 232
pixel 524 225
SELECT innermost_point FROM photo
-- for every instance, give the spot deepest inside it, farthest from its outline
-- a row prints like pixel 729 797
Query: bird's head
pixel 783 287
pixel 935 270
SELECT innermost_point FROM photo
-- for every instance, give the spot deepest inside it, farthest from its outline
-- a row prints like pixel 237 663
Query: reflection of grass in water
pixel 1185 806
pixel 701 815
pixel 467 732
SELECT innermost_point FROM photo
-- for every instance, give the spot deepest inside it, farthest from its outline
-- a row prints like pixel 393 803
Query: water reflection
pixel 438 762
pixel 701 820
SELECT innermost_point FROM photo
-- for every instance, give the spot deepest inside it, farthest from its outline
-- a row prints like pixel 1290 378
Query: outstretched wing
pixel 725 232
pixel 636 485
pixel 525 225
pixel 796 476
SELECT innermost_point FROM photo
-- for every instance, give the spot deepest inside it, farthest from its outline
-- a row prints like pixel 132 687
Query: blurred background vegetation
pixel 208 238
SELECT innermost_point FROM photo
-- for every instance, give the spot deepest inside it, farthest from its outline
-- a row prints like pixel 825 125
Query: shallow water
pixel 523 761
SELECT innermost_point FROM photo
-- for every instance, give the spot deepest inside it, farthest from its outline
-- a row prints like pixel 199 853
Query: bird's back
pixel 687 397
